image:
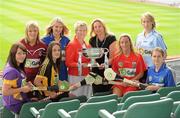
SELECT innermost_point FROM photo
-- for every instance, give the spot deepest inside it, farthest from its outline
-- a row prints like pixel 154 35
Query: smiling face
pixel 81 32
pixel 20 56
pixel 56 52
pixel 32 33
pixel 124 44
pixel 57 28
pixel 98 28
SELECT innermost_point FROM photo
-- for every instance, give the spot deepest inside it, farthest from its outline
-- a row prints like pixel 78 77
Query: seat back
pixel 51 109
pixel 5 113
pixel 25 112
pixel 135 93
pixel 90 110
pixel 102 93
pixel 102 98
pixel 178 83
pixel 175 105
pixel 164 91
pixel 81 98
pixel 144 98
pixel 1 103
pixel 175 95
pixel 177 112
pixel 154 109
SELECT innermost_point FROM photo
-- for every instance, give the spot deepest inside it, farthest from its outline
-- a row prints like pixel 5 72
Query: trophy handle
pixel 106 50
pixel 106 60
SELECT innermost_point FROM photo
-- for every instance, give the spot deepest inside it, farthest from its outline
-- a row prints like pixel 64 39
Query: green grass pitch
pixel 120 16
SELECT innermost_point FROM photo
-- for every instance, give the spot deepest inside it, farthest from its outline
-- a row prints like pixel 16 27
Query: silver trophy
pixel 95 53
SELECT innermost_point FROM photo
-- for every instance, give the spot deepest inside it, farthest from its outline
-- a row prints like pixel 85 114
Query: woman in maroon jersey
pixel 35 51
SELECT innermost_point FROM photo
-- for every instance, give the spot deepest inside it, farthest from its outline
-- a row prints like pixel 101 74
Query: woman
pixel 35 50
pixel 149 38
pixel 57 31
pixel 159 75
pixel 77 72
pixel 49 71
pixel 100 38
pixel 128 64
pixel 14 95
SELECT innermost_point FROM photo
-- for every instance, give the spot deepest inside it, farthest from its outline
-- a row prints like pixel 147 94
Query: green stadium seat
pixel 102 93
pixel 175 95
pixel 50 111
pixel 178 83
pixel 90 110
pixel 81 98
pixel 153 109
pixel 1 104
pixel 175 105
pixel 135 93
pixel 5 113
pixel 134 99
pixel 164 91
pixel 25 110
pixel 102 98
pixel 177 112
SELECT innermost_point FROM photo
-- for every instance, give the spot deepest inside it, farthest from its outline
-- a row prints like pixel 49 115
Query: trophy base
pixel 93 65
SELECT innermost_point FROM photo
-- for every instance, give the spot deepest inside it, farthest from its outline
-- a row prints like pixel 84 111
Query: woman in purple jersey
pixel 14 95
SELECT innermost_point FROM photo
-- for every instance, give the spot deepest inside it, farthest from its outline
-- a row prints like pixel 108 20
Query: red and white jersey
pixel 130 66
pixel 35 57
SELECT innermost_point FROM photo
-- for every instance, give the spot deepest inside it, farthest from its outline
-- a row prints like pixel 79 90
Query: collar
pixel 161 68
pixel 149 34
pixel 77 41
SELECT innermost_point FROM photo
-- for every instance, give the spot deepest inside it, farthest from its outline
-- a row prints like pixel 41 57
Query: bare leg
pixel 117 91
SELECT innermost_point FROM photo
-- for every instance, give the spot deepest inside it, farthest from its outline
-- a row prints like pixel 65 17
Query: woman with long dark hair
pixel 49 71
pixel 14 94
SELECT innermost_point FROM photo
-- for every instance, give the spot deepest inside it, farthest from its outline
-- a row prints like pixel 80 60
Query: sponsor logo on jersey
pixel 150 78
pixel 144 52
pixel 134 64
pixel 32 63
pixel 161 80
pixel 120 64
pixel 129 72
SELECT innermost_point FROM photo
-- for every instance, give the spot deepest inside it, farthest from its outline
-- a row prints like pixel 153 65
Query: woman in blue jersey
pixel 14 95
pixel 159 75
pixel 149 39
pixel 57 31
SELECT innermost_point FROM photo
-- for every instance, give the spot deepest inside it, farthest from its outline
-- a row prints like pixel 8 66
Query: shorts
pixel 125 89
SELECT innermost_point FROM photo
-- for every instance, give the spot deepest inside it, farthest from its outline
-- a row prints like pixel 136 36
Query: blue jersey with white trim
pixel 63 74
pixel 145 45
pixel 163 77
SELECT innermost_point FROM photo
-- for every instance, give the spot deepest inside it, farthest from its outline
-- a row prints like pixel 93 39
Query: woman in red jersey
pixel 128 64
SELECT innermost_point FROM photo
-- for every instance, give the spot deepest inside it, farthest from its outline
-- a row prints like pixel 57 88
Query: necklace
pixel 97 41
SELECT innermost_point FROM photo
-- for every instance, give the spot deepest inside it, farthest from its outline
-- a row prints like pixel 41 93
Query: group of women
pixel 55 59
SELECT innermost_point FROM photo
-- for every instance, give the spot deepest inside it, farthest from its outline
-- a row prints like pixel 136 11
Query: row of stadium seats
pixel 45 109
pixel 153 109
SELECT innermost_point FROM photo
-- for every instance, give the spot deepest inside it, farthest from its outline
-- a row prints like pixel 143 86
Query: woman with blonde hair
pixel 149 38
pixel 127 64
pixel 58 31
pixel 76 71
pixel 101 38
pixel 35 50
